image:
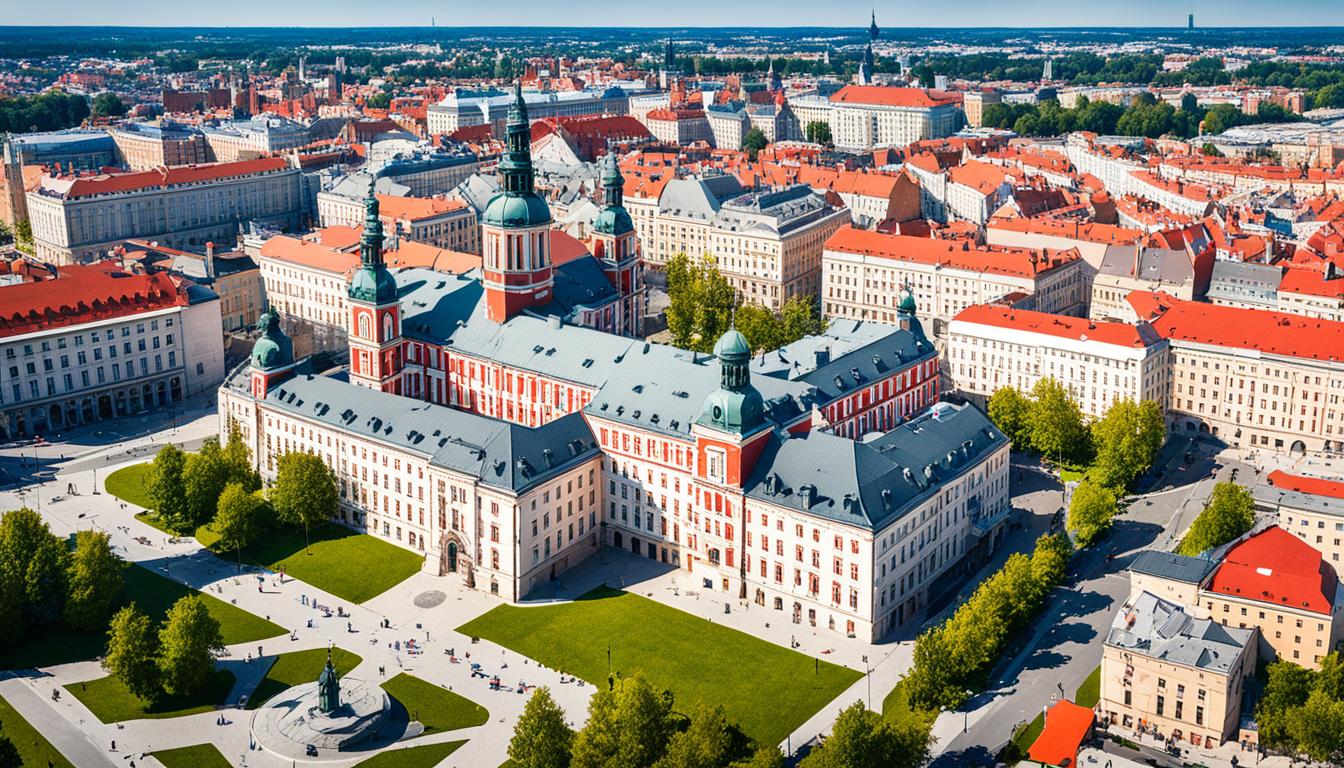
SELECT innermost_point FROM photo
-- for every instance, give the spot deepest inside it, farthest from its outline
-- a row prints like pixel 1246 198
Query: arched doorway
pixel 451 554
pixel 1298 447
pixel 453 558
pixel 54 416
pixel 104 407
pixel 616 539
pixel 176 387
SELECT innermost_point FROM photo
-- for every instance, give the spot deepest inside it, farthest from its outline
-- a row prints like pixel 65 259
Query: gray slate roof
pixel 497 453
pixel 1153 627
pixel 873 484
pixel 1171 566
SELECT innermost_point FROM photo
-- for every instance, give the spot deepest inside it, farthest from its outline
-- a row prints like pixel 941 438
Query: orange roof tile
pixel 1081 329
pixel 1074 230
pixel 890 96
pixel 959 254
pixel 416 208
pixel 1275 567
pixel 1316 486
pixel 84 293
pixel 1277 333
pixel 103 184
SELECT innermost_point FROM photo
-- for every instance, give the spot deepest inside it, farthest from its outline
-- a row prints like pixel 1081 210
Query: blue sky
pixel 690 12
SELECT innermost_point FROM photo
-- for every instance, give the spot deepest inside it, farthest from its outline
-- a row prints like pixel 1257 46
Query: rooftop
pixel 1152 627
pixel 957 254
pixel 1276 567
pixel 891 96
pixel 1060 326
pixel 1277 333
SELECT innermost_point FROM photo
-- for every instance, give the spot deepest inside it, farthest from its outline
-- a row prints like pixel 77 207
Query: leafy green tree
pixel 238 457
pixel 37 558
pixel 541 738
pixel 379 100
pixel 203 479
pixel 304 493
pixel 934 680
pixel 1229 514
pixel 131 651
pixel 1056 422
pixel 1315 728
pixel 188 644
pixel 9 754
pixel 23 235
pixel 681 309
pixel 700 302
pixel 239 519
pixel 1011 412
pixel 754 141
pixel 1189 102
pixel 95 578
pixel 1330 677
pixel 759 325
pixel 818 132
pixel 12 621
pixel 108 104
pixel 709 741
pixel 800 318
pixel 862 738
pixel 1329 97
pixel 168 490
pixel 1127 439
pixel 628 727
pixel 1090 511
pixel 1287 687
pixel 763 757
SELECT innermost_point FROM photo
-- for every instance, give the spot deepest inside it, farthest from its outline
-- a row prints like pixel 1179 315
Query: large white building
pixel 490 106
pixel 862 117
pixel 97 343
pixel 992 346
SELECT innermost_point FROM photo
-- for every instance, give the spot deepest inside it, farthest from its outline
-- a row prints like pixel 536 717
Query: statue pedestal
pixel 291 721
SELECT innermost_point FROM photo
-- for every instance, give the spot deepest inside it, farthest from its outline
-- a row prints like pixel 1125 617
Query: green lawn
pixel 1027 735
pixel 53 644
pixel 352 566
pixel 766 689
pixel 438 709
pixel 131 484
pixel 110 702
pixel 199 756
pixel 33 746
pixel 426 756
pixel 291 669
pixel 1089 693
pixel 897 707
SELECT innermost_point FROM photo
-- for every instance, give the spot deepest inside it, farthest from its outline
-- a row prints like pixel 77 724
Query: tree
pixel 761 327
pixel 1229 514
pixel 1127 439
pixel 1056 422
pixel 1011 412
pixel 628 727
pixel 818 132
pixel 9 754
pixel 709 741
pixel 1189 102
pixel 36 558
pixel 95 578
pixel 379 100
pixel 764 757
pixel 700 302
pixel 800 318
pixel 12 622
pixel 304 492
pixel 239 519
pixel 203 479
pixel 108 104
pixel 238 458
pixel 188 644
pixel 862 738
pixel 754 141
pixel 23 235
pixel 1329 97
pixel 1090 511
pixel 167 488
pixel 131 651
pixel 541 738
pixel 1315 727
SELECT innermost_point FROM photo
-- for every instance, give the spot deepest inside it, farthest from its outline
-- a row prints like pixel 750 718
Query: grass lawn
pixel 897 707
pixel 110 702
pixel 1027 734
pixel 154 594
pixel 1089 693
pixel 767 690
pixel 131 484
pixel 438 709
pixel 427 756
pixel 199 756
pixel 33 747
pixel 291 669
pixel 1070 475
pixel 352 566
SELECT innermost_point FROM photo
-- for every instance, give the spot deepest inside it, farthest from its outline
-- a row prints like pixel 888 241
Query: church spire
pixel 873 31
pixel 516 167
pixel 371 242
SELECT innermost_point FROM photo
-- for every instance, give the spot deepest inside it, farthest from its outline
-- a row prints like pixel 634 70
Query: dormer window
pixel 716 465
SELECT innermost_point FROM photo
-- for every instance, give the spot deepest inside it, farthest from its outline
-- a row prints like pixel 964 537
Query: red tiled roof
pixel 1312 282
pixel 565 247
pixel 416 208
pixel 164 177
pixel 959 254
pixel 1082 329
pixel 890 96
pixel 984 178
pixel 1316 486
pixel 82 294
pixel 1073 230
pixel 1276 567
pixel 1277 333
pixel 1066 726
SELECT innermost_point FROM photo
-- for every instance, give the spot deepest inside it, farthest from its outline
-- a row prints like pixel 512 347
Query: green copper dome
pixel 274 349
pixel 614 219
pixel 907 304
pixel 735 406
pixel 515 211
pixel 374 285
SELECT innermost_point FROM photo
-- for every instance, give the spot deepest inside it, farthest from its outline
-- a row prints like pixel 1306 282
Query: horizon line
pixel 651 26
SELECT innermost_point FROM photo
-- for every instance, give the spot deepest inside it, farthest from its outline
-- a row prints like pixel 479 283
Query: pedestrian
pixel 114 745
pixel 259 654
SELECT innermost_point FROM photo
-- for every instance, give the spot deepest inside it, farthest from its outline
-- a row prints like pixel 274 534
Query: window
pixel 716 461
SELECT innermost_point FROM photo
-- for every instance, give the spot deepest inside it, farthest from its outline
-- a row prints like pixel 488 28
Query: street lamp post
pixel 868 674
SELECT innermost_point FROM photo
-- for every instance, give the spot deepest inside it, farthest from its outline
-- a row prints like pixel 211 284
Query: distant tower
pixel 303 62
pixel 873 31
pixel 515 228
pixel 1048 72
pixel 1190 21
pixel 375 311
pixel 616 247
pixel 669 74
pixel 771 76
pixel 865 76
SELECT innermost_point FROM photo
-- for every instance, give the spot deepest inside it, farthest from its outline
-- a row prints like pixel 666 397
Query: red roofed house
pixel 864 274
pixel 440 222
pixel 96 342
pixel 868 116
pixel 992 345
pixel 1275 582
pixel 1250 377
pixel 77 218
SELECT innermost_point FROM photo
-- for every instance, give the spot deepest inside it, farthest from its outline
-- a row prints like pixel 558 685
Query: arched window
pixel 387 326
pixel 364 326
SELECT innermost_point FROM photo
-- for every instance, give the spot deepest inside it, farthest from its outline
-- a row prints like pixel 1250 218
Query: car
pixel 311 750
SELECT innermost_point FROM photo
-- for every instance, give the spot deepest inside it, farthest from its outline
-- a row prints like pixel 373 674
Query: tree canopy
pixel 96 576
pixel 863 738
pixel 304 493
pixel 1127 439
pixel 1229 514
pixel 541 737
pixel 188 644
pixel 1091 510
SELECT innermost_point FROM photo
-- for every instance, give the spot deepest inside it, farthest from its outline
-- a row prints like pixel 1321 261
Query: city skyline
pixel 419 13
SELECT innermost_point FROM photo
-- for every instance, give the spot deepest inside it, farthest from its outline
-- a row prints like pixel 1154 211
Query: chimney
pixel 210 260
pixel 823 356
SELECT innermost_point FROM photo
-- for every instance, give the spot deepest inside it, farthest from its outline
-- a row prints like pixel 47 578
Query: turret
pixel 272 355
pixel 375 311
